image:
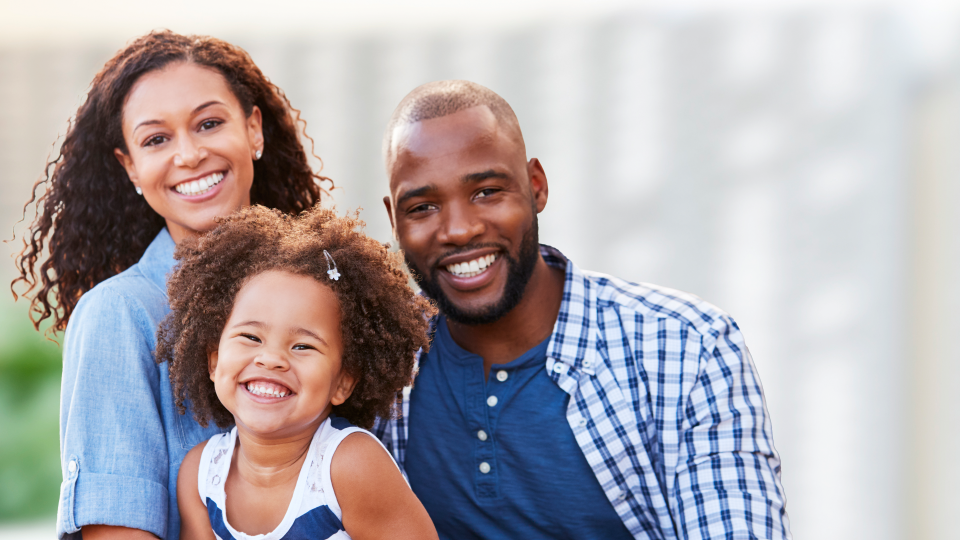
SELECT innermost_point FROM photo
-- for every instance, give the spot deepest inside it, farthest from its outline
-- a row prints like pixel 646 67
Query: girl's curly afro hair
pixel 383 322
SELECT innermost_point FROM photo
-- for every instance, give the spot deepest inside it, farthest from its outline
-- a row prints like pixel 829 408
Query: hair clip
pixel 332 272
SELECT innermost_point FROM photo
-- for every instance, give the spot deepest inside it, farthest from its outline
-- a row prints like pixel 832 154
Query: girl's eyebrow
pixel 257 324
pixel 305 332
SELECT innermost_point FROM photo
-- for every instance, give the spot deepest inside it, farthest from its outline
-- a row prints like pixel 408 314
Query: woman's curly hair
pixel 383 322
pixel 89 218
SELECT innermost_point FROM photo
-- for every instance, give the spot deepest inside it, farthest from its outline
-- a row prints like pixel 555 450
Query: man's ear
pixel 344 388
pixel 389 206
pixel 212 359
pixel 127 162
pixel 538 183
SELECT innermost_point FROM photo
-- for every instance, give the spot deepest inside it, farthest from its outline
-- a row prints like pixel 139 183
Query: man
pixel 556 402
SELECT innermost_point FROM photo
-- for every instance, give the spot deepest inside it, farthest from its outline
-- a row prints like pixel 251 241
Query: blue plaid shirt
pixel 666 406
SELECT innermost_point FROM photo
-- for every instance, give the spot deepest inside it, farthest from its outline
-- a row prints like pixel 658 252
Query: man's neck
pixel 524 327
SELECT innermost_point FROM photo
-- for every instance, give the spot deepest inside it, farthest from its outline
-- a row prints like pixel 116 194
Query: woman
pixel 175 132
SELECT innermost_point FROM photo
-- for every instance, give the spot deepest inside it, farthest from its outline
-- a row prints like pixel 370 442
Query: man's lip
pixel 465 256
pixel 466 284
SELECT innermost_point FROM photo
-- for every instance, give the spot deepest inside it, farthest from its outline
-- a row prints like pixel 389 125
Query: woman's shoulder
pixel 129 292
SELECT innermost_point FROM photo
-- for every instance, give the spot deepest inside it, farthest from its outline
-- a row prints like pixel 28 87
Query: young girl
pixel 294 330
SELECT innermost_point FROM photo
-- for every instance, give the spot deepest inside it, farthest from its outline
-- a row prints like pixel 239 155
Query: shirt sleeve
pixel 112 442
pixel 728 478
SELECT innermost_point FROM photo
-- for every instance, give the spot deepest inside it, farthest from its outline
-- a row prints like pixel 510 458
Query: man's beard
pixel 518 275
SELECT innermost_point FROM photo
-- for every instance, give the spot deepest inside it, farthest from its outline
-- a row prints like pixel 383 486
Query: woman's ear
pixel 344 388
pixel 255 129
pixel 212 359
pixel 127 162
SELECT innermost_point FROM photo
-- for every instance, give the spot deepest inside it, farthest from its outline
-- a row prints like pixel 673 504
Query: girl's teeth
pixel 268 390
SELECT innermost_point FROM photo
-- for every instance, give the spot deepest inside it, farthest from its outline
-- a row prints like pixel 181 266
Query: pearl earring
pixel 257 155
pixel 138 190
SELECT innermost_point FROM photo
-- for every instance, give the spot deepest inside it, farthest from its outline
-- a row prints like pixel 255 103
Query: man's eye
pixel 420 208
pixel 209 124
pixel 486 192
pixel 155 140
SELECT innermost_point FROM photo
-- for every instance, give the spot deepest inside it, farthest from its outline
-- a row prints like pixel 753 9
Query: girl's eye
pixel 302 347
pixel 155 140
pixel 209 124
pixel 251 337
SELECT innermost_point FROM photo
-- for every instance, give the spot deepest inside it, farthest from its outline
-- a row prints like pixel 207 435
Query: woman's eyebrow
pixel 195 111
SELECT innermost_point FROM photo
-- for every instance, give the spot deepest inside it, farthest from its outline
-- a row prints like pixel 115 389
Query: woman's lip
pixel 473 282
pixel 204 196
pixel 267 400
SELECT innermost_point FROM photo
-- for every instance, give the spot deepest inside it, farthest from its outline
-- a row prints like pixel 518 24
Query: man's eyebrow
pixel 477 177
pixel 416 192
pixel 195 111
pixel 305 332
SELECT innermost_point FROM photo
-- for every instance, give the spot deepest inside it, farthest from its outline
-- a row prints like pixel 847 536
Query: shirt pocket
pixel 191 433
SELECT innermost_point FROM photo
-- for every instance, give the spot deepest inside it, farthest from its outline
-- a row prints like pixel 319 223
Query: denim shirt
pixel 121 438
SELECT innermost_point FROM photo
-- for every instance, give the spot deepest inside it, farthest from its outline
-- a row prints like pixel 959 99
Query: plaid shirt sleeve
pixel 728 475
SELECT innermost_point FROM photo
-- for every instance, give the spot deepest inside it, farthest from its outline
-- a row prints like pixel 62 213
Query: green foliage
pixel 30 369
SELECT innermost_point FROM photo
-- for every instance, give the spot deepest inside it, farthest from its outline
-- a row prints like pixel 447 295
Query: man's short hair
pixel 440 98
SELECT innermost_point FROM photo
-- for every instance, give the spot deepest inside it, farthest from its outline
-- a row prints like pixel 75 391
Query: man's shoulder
pixel 648 300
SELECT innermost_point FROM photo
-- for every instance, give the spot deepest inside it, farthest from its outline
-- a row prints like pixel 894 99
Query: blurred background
pixel 796 164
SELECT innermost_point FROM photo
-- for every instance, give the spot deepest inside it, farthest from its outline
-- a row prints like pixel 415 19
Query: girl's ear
pixel 212 362
pixel 344 388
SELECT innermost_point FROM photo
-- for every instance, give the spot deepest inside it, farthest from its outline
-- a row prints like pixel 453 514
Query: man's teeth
pixel 267 389
pixel 199 187
pixel 471 268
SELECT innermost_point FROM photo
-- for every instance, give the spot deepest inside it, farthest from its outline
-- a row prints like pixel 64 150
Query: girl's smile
pixel 277 368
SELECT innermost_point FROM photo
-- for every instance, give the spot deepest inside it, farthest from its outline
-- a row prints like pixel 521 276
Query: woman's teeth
pixel 199 187
pixel 266 389
pixel 471 268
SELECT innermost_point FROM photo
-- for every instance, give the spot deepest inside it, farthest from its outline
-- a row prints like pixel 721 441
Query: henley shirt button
pixel 484 467
pixel 502 375
pixel 72 466
pixel 492 401
pixel 482 435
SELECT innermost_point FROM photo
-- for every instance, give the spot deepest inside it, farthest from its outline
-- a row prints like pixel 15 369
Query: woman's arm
pixel 112 439
pixel 110 532
pixel 194 520
pixel 375 499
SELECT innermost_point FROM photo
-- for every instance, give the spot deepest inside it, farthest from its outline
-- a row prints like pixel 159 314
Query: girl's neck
pixel 264 461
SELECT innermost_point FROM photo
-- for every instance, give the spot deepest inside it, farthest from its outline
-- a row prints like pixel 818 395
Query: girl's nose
pixel 271 360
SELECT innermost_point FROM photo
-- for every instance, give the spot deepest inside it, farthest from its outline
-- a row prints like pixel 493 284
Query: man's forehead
pixel 446 134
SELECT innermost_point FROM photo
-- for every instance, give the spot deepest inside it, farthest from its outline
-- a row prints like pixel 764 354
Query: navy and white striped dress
pixel 313 512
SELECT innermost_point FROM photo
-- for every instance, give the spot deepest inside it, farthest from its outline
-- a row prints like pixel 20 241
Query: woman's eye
pixel 155 140
pixel 209 124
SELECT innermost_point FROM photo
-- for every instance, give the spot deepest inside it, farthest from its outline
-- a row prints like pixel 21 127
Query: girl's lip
pixel 266 400
pixel 204 196
pixel 473 282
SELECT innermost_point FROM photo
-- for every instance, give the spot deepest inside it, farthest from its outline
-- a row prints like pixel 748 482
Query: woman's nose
pixel 189 153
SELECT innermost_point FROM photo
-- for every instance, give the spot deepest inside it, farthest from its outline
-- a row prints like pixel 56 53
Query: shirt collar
pixel 157 261
pixel 575 332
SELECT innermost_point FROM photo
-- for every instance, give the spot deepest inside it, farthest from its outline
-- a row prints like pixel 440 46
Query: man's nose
pixel 460 226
